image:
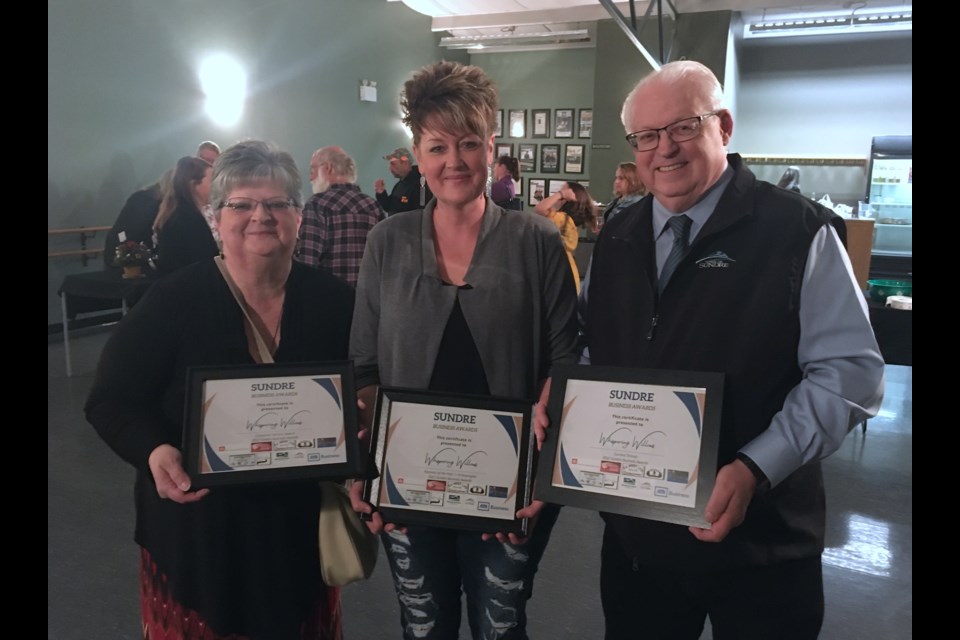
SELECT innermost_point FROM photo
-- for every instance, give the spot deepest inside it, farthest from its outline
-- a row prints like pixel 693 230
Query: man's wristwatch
pixel 763 483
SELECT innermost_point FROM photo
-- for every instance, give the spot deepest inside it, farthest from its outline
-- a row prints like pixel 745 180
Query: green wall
pixel 561 79
pixel 124 101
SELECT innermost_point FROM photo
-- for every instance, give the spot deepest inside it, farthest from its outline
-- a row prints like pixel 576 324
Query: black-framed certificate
pixel 459 462
pixel 271 422
pixel 637 442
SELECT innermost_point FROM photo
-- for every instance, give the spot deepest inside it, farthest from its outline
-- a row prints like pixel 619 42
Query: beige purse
pixel 348 551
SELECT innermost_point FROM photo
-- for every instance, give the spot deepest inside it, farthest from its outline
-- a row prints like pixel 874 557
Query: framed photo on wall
pixel 563 123
pixel 528 157
pixel 585 123
pixel 503 149
pixel 541 123
pixel 498 129
pixel 554 185
pixel 549 158
pixel 518 123
pixel 573 158
pixel 537 190
pixel 518 187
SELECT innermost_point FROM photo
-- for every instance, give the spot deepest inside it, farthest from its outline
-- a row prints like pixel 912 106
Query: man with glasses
pixel 718 271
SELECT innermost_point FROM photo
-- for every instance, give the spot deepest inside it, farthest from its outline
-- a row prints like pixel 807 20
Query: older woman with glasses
pixel 461 297
pixel 234 561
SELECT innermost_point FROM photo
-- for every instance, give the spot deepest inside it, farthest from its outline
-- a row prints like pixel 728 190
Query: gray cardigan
pixel 520 302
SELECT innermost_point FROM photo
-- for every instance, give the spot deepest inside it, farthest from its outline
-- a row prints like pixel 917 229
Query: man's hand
pixel 172 481
pixel 378 185
pixel 728 502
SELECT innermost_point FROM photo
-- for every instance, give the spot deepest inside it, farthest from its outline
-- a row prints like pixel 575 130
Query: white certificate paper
pixel 275 422
pixel 451 460
pixel 637 441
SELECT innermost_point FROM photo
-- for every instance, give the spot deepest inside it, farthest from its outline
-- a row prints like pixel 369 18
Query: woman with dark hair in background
pixel 183 235
pixel 233 562
pixel 436 288
pixel 569 208
pixel 503 192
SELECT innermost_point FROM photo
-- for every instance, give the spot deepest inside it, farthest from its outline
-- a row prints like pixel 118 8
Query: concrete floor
pixel 93 562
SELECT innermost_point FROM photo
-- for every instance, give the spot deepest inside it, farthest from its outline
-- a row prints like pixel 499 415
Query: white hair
pixel 674 72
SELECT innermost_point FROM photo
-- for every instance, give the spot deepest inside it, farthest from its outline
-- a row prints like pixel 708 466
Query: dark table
pixel 96 291
pixel 894 331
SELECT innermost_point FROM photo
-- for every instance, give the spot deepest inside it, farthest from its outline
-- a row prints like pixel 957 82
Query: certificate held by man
pixel 271 422
pixel 461 462
pixel 635 442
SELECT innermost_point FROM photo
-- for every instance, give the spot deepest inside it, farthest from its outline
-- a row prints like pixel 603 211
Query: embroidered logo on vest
pixel 716 260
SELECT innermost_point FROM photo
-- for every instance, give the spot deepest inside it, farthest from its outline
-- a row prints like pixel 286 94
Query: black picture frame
pixel 536 186
pixel 540 123
pixel 498 127
pixel 574 158
pixel 550 158
pixel 503 149
pixel 563 123
pixel 585 123
pixel 527 157
pixel 698 393
pixel 446 481
pixel 282 443
pixel 553 186
pixel 517 123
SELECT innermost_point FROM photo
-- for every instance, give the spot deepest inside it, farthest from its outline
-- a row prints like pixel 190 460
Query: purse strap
pixel 262 350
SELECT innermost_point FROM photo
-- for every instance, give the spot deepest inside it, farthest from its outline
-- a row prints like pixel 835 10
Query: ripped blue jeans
pixel 430 566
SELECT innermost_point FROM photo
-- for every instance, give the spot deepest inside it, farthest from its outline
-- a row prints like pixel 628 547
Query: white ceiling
pixel 549 22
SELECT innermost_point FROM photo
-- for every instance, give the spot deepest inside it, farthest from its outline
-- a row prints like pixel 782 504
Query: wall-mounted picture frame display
pixel 503 149
pixel 517 123
pixel 528 157
pixel 573 158
pixel 549 158
pixel 541 123
pixel 554 185
pixel 498 128
pixel 585 123
pixel 536 190
pixel 563 123
pixel 518 187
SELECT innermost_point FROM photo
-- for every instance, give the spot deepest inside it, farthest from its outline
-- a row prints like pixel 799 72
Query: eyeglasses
pixel 247 205
pixel 679 131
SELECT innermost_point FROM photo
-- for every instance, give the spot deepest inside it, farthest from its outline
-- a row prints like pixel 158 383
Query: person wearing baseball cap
pixel 411 192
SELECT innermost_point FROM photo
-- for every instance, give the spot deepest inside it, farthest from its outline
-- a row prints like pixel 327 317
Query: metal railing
pixel 85 233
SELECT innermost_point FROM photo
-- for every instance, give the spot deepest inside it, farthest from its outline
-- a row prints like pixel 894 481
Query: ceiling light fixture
pixel 515 39
pixel 830 23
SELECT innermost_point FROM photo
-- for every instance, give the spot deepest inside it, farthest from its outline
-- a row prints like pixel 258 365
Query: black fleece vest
pixel 732 307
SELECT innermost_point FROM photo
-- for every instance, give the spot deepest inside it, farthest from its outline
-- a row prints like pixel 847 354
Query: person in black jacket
pixel 716 271
pixel 183 235
pixel 238 560
pixel 136 218
pixel 411 192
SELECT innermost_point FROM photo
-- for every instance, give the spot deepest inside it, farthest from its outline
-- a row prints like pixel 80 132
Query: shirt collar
pixel 700 212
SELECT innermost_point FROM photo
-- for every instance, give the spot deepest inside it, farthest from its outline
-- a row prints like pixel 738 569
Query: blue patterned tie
pixel 681 235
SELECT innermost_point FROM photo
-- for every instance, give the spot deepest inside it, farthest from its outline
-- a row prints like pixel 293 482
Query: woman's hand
pixel 540 419
pixel 172 481
pixel 531 511
pixel 375 524
pixel 552 202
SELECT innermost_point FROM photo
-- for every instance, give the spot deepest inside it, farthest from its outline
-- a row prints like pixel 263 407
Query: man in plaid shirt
pixel 337 218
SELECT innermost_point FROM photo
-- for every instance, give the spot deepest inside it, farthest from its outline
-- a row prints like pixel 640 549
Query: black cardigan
pixel 244 558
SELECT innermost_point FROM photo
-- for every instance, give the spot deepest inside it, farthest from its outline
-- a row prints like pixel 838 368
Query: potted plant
pixel 132 256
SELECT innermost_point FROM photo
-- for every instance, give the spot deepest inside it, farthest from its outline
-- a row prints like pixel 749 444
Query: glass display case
pixel 890 199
